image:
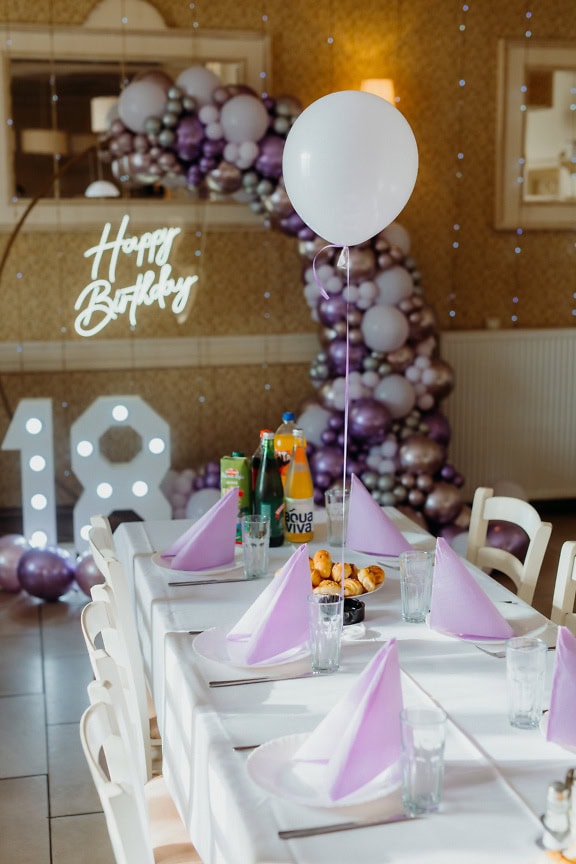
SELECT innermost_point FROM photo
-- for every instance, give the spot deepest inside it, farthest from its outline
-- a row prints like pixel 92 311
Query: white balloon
pixel 244 118
pixel 397 394
pixel 140 100
pixel 394 285
pixel 200 502
pixel 199 82
pixel 313 421
pixel 349 164
pixel 384 328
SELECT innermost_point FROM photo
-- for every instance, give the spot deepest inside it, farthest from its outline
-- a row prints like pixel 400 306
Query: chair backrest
pixel 110 662
pixel 565 588
pixel 121 794
pixel 102 547
pixel 486 508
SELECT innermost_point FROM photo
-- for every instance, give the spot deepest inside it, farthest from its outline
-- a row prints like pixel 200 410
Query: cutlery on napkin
pixel 263 679
pixel 188 582
pixel 333 828
pixel 561 727
pixel 276 624
pixel 370 530
pixel 359 738
pixel 458 605
pixel 211 541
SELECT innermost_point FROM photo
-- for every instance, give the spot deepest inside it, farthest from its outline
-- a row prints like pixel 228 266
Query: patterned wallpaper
pixel 316 48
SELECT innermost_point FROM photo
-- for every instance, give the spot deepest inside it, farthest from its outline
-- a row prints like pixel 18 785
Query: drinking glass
pixel 255 544
pixel 423 737
pixel 337 501
pixel 325 618
pixel 416 569
pixel 525 673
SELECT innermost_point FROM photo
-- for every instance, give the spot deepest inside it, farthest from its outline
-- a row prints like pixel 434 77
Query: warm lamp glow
pixel 383 87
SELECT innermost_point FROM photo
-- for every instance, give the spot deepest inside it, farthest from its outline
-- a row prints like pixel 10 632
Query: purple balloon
pixel 12 547
pixel 87 573
pixel 337 355
pixel 211 148
pixel 332 310
pixel 189 137
pixel 506 535
pixel 46 573
pixel 369 420
pixel 292 225
pixel 438 427
pixel 269 162
pixel 194 176
pixel 329 436
pixel 327 460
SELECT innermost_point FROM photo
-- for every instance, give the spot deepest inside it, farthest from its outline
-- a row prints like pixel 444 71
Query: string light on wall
pixel 459 174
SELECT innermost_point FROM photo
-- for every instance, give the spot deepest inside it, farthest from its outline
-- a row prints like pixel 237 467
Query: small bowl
pixel 353 610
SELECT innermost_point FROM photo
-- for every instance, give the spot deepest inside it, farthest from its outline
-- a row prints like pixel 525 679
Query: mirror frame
pixel 103 37
pixel 511 211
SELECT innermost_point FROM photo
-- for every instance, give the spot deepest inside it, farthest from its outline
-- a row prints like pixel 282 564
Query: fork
pixel 499 654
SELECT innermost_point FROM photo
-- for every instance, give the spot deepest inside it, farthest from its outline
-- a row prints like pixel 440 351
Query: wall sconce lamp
pixel 383 87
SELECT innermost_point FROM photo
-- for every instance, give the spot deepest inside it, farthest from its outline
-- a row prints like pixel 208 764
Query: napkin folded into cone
pixel 276 625
pixel 369 528
pixel 561 726
pixel 211 541
pixel 360 737
pixel 458 604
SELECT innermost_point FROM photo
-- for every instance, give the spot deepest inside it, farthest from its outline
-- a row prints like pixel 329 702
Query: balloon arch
pixel 379 372
pixel 196 134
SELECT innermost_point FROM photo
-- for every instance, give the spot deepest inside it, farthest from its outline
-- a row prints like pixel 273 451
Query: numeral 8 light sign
pixel 108 486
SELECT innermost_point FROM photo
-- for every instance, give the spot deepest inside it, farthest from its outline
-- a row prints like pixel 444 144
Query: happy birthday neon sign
pixel 99 303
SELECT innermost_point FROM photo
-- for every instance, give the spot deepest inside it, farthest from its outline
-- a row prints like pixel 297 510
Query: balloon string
pixel 323 291
pixel 344 262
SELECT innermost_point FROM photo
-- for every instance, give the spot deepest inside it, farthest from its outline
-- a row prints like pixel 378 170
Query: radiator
pixel 513 409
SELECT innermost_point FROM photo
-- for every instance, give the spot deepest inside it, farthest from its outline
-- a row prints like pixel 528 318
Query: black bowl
pixel 353 610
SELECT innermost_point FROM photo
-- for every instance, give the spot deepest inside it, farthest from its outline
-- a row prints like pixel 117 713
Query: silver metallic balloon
pixel 225 178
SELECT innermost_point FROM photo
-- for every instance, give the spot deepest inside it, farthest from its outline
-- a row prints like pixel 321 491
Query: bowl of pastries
pixel 327 574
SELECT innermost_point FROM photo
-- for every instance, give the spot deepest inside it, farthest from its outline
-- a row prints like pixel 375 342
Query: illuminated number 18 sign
pixel 108 486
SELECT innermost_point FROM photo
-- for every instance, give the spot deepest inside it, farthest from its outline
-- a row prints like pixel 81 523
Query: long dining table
pixel 496 776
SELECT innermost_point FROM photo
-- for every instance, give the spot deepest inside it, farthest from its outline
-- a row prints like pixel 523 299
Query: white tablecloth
pixel 496 776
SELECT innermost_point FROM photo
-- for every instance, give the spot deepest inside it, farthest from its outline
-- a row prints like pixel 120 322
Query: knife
pixel 209 581
pixel 264 679
pixel 343 826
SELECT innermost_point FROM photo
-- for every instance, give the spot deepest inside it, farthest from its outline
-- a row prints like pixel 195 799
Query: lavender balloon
pixel 189 137
pixel 87 573
pixel 332 310
pixel 269 162
pixel 337 355
pixel 12 547
pixel 46 573
pixel 369 420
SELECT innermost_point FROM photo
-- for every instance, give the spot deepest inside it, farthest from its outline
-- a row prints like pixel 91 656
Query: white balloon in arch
pixel 384 328
pixel 109 486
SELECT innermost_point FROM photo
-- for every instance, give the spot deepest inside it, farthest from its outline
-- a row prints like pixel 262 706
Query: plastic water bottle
pixel 299 494
pixel 284 442
pixel 269 492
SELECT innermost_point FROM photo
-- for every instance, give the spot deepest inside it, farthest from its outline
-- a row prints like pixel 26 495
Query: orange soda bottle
pixel 299 494
pixel 284 443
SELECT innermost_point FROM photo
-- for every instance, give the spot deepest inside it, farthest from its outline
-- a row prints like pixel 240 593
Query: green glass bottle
pixel 269 491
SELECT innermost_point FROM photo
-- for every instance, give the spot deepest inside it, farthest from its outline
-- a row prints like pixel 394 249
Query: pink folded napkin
pixel 276 625
pixel 211 541
pixel 458 604
pixel 359 738
pixel 561 723
pixel 369 528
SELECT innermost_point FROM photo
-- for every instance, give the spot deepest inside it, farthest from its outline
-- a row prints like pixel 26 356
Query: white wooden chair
pixel 563 611
pixel 486 508
pixel 142 820
pixel 101 543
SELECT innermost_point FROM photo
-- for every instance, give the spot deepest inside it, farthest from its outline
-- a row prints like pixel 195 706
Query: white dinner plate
pixel 544 728
pixel 166 564
pixel 212 645
pixel 272 767
pixel 520 618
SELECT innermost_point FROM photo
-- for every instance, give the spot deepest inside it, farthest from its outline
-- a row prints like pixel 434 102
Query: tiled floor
pixel 49 810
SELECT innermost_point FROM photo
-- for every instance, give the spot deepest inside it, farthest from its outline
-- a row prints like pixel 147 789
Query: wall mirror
pixel 536 135
pixel 50 78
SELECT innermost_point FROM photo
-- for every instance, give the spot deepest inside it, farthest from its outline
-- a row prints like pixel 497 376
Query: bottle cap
pixel 264 430
pixel 237 453
pixel 288 416
pixel 267 435
pixel 557 791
